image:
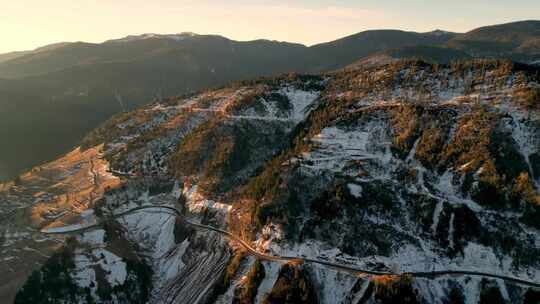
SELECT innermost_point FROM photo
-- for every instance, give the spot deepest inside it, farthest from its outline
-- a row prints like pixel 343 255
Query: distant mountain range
pixel 15 55
pixel 519 41
pixel 50 97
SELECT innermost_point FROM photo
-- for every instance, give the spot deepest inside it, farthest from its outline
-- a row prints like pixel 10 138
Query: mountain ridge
pixel 376 40
pixel 90 82
pixel 401 167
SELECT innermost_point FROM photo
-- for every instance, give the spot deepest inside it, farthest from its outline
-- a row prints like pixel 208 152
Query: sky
pixel 27 24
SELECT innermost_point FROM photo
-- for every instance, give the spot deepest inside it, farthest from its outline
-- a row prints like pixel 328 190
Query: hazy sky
pixel 26 24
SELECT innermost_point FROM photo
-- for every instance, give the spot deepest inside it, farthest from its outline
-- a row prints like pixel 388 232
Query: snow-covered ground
pixel 196 202
pixel 337 147
pixel 369 144
pixel 301 102
pixel 187 263
pixel 181 268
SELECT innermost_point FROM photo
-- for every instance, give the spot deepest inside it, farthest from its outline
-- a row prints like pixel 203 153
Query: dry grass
pixel 69 186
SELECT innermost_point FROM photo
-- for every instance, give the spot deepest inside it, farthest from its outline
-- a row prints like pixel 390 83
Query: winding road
pixel 340 267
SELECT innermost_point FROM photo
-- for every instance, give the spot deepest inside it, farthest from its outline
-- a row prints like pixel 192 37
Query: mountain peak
pixel 177 37
pixel 439 32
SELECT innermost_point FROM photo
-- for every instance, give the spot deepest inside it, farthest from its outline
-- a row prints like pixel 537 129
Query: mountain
pixel 517 40
pixel 11 55
pixel 431 54
pixel 76 87
pixel 339 53
pixel 403 182
pixel 14 55
pixel 156 46
pixel 146 49
pixel 52 96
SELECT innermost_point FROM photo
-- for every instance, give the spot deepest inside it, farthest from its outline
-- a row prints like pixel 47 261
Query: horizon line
pixel 265 39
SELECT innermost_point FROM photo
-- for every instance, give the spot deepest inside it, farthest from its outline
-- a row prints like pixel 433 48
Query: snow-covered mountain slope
pixel 401 168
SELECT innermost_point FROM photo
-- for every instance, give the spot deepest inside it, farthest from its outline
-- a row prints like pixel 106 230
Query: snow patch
pixel 300 100
pixel 355 190
pixel 196 202
pixel 96 237
pixel 63 229
pixel 412 153
pixel 172 266
pixel 153 230
pixel 115 268
pixel 436 216
pixel 84 275
pixel 526 139
pixel 335 147
pixel 85 263
pixel 331 284
pixel 271 272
